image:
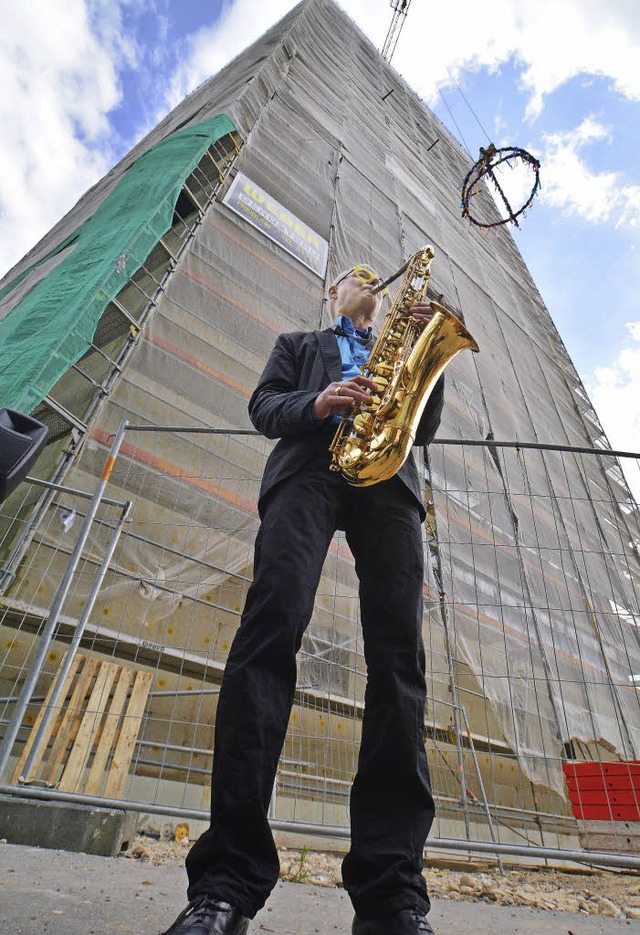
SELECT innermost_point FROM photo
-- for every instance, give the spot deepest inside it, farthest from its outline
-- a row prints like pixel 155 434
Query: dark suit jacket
pixel 301 365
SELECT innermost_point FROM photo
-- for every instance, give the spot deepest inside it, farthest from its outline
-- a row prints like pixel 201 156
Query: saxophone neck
pixel 426 252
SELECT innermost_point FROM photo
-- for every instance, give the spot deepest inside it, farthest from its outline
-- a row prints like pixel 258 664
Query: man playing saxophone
pixel 310 380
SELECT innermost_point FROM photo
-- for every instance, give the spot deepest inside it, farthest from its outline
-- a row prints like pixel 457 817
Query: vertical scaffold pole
pixel 436 565
pixel 487 810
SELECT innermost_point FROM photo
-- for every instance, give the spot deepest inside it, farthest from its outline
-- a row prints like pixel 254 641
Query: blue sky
pixel 82 80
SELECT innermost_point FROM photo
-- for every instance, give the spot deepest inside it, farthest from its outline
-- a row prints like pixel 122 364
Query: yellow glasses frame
pixel 363 273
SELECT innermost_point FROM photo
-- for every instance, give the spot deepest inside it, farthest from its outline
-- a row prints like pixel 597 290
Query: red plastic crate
pixel 604 791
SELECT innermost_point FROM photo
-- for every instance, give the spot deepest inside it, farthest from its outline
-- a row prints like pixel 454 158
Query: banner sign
pixel 258 208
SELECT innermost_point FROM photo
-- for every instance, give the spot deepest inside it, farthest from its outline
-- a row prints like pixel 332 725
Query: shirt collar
pixel 344 322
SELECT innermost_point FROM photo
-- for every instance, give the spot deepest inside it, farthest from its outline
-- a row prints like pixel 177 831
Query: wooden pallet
pixel 621 837
pixel 91 739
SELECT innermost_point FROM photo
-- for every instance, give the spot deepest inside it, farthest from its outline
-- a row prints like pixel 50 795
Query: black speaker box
pixel 21 441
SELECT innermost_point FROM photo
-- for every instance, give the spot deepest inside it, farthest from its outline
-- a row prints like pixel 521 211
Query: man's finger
pixel 359 392
pixel 363 382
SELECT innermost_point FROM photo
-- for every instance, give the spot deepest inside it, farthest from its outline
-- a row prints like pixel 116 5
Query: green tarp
pixel 54 324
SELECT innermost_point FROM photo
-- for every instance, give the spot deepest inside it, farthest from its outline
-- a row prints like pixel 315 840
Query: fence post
pixel 73 648
pixel 46 637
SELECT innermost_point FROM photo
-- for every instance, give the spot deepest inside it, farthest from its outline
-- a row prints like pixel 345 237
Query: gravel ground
pixel 50 892
pixel 596 893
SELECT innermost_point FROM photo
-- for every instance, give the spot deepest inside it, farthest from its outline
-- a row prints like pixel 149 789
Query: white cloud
pixel 615 393
pixel 58 81
pixel 554 40
pixel 212 47
pixel 569 183
pixel 570 37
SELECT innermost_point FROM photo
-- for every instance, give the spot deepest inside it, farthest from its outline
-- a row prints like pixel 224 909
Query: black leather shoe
pixel 208 916
pixel 405 922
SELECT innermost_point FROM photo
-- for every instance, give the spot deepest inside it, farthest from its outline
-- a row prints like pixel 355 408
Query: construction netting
pixel 53 325
pixel 532 611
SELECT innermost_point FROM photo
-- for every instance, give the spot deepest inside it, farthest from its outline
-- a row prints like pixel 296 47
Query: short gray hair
pixel 341 275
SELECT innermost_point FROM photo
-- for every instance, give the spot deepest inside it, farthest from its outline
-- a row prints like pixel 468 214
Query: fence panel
pixel 530 624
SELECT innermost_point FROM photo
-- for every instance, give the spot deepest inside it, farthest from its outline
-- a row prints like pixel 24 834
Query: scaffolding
pixel 533 543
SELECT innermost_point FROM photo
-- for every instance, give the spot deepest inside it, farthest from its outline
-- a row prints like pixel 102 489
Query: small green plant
pixel 296 872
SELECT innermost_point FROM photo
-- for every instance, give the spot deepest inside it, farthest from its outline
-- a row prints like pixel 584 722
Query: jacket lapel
pixel 330 354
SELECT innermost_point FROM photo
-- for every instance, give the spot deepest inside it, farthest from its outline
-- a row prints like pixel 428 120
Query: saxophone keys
pixel 350 456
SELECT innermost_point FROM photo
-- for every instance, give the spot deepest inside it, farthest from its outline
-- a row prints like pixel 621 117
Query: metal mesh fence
pixel 117 616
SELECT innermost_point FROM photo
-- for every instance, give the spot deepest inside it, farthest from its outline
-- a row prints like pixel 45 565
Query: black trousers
pixel 391 802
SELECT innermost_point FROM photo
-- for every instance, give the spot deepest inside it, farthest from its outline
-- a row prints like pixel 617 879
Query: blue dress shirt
pixel 352 351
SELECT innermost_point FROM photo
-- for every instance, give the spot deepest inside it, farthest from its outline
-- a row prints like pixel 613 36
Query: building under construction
pixel 157 300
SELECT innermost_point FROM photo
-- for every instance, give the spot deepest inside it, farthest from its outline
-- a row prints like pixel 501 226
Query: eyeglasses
pixel 363 273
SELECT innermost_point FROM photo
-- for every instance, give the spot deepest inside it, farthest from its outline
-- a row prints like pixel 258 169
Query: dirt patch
pixel 604 893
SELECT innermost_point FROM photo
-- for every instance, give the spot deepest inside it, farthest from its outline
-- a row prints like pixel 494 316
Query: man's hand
pixel 338 397
pixel 423 312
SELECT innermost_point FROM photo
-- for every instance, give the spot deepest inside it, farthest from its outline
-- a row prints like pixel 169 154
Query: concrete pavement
pixel 47 892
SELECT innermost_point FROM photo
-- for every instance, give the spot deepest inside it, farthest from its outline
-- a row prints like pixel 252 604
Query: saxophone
pixel 373 441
